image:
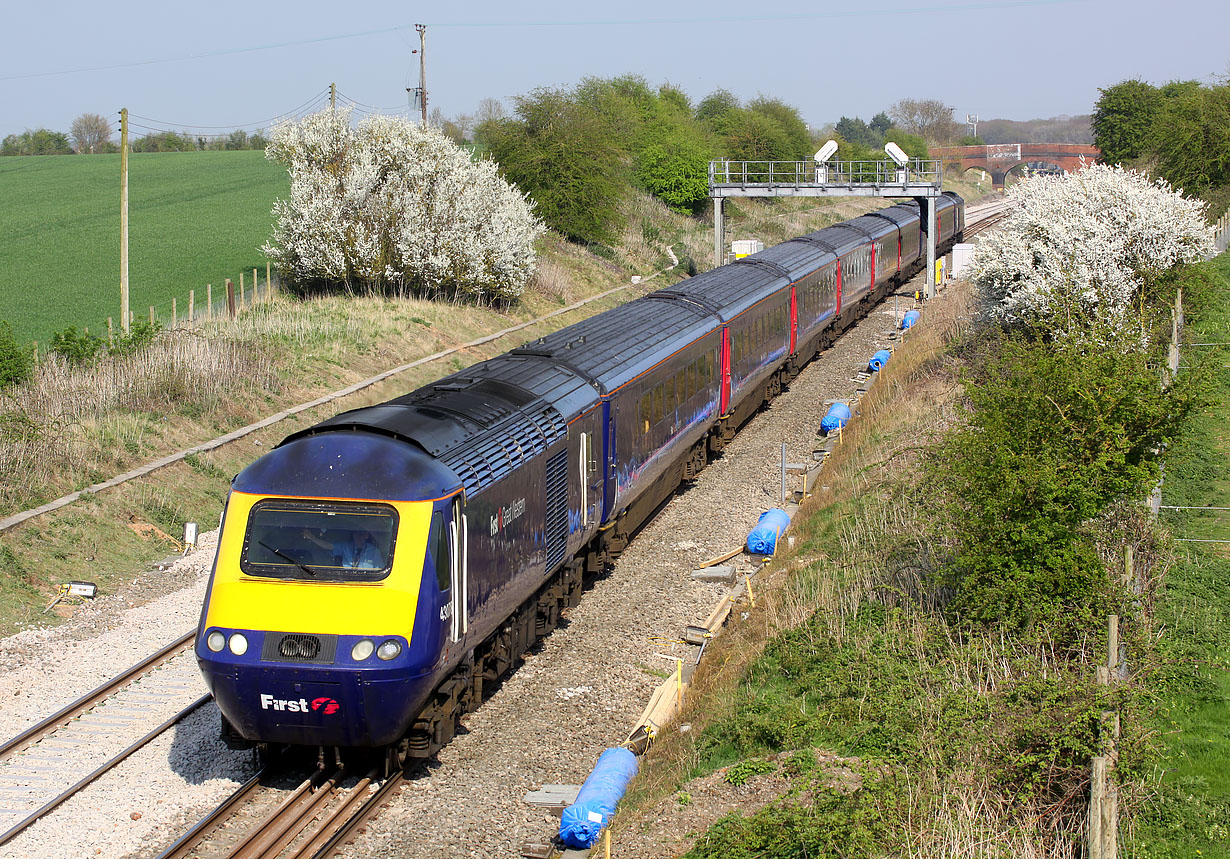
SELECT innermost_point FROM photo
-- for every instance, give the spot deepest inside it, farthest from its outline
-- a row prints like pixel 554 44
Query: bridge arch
pixel 1001 158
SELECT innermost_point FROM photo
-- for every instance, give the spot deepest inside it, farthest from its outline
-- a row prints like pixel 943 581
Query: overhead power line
pixel 960 8
pixel 316 99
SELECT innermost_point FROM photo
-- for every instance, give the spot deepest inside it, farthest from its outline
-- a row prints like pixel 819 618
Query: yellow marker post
pixel 607 844
pixel 751 597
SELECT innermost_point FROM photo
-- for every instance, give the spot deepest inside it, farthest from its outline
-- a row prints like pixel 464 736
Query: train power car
pixel 378 572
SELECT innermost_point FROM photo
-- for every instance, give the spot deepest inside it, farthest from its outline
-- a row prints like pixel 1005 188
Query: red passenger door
pixel 794 316
pixel 837 312
pixel 724 378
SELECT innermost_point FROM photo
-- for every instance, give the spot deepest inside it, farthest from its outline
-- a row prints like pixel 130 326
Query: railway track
pixel 985 217
pixel 261 820
pixel 47 764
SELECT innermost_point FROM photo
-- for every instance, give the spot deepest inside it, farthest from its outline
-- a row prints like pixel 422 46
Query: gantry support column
pixel 719 231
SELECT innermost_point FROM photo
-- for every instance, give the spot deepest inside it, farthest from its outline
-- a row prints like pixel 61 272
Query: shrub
pixel 1055 434
pixel 16 363
pixel 1071 260
pixel 391 204
pixel 76 347
pixel 141 333
pixel 563 154
pixel 677 172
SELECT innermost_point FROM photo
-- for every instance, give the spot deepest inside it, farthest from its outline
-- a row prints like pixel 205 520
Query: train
pixel 379 572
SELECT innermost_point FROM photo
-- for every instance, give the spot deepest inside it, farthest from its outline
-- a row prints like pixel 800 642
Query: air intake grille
pixel 557 509
pixel 299 647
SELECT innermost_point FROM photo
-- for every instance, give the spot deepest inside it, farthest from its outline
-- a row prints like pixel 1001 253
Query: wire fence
pixel 226 300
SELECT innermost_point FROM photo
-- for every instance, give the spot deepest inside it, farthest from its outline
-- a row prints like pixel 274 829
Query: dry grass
pixel 70 424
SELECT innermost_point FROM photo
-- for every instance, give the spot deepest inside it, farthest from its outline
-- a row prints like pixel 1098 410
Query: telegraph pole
pixel 332 96
pixel 422 29
pixel 124 218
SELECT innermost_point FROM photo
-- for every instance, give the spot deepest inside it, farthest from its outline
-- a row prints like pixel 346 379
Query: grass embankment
pixel 886 729
pixel 194 218
pixel 849 714
pixel 1190 812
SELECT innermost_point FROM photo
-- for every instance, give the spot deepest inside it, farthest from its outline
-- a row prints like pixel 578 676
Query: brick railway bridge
pixel 999 159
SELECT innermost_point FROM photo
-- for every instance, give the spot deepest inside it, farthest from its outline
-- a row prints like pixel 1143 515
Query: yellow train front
pixel 327 614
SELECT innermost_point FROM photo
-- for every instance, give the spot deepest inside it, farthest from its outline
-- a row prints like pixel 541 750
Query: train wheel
pixel 396 757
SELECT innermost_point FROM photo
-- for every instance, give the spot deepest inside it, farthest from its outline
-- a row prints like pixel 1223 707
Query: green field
pixel 194 218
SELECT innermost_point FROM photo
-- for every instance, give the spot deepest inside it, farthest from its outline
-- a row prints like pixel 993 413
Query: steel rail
pixel 345 831
pixel 90 699
pixel 107 766
pixel 194 836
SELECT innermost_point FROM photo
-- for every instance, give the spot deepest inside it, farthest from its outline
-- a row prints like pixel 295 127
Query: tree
pixel 675 99
pixel 929 118
pixel 390 204
pixel 854 130
pixel 40 141
pixel 676 171
pixel 489 110
pixel 1070 262
pixel 792 125
pixel 753 136
pixel 911 144
pixel 1194 152
pixel 880 123
pixel 1123 119
pixel 166 141
pixel 715 107
pixel 563 155
pixel 92 134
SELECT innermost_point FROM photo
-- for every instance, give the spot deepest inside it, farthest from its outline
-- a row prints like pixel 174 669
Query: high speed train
pixel 378 573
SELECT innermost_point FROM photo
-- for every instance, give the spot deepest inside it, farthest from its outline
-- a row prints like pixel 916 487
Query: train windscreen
pixel 319 541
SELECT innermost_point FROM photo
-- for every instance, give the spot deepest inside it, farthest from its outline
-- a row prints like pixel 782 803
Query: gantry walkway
pixel 920 179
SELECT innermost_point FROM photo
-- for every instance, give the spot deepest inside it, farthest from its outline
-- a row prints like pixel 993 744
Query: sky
pixel 212 67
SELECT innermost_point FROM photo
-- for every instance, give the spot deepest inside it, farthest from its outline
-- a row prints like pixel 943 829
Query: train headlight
pixel 362 650
pixel 239 643
pixel 215 641
pixel 389 649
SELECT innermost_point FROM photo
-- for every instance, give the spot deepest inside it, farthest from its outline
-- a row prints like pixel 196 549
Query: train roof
pixel 732 289
pixel 612 348
pixel 359 464
pixel 480 423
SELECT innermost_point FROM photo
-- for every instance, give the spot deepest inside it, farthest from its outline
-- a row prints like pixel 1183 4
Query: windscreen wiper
pixel 282 554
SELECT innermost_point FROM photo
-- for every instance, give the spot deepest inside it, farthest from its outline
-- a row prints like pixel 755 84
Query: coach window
pixel 657 404
pixel 643 413
pixel 437 545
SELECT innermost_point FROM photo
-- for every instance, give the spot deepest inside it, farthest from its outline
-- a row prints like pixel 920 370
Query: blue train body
pixel 378 572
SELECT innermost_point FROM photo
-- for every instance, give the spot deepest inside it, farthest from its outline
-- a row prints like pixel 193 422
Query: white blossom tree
pixel 1077 249
pixel 389 204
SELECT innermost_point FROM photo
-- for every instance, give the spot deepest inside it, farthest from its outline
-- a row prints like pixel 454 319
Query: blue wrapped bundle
pixel 909 319
pixel 838 416
pixel 585 819
pixel 878 360
pixel 763 538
